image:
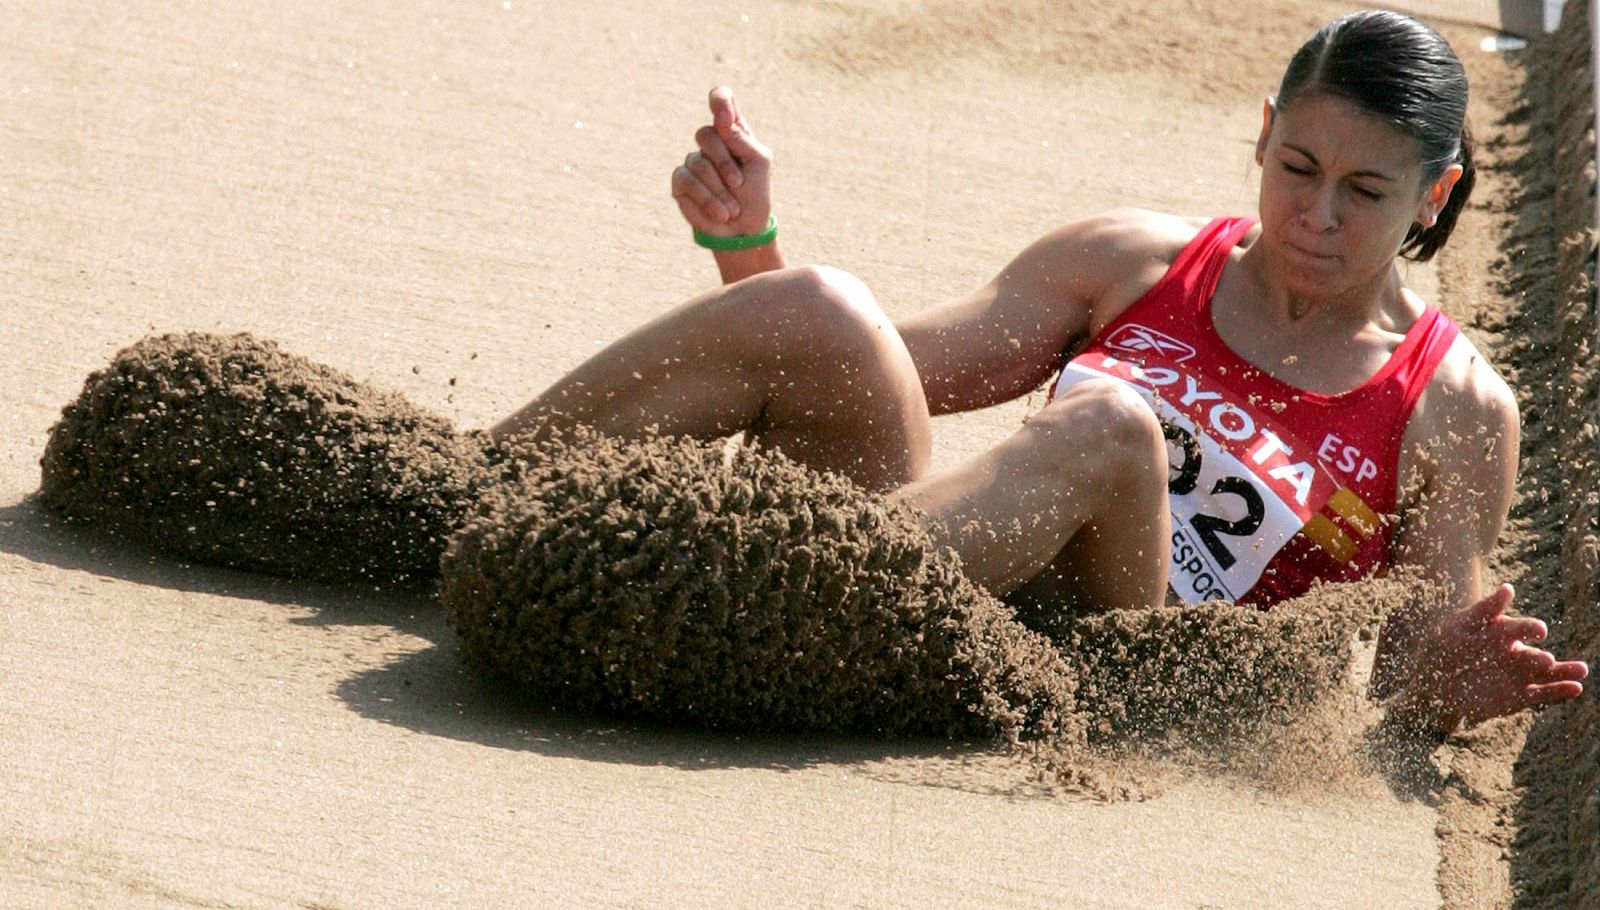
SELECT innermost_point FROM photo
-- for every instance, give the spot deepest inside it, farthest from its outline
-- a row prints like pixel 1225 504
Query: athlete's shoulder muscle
pixel 1465 398
pixel 1459 466
pixel 1134 248
pixel 1005 338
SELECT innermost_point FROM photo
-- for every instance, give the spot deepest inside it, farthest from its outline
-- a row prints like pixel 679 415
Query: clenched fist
pixel 724 187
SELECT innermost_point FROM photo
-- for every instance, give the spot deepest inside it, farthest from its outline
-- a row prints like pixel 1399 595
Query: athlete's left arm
pixel 1460 659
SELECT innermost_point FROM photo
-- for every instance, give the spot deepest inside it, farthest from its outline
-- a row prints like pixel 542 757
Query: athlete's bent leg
pixel 1069 511
pixel 802 359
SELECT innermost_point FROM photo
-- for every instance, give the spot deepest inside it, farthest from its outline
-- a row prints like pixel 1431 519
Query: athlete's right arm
pixel 1006 338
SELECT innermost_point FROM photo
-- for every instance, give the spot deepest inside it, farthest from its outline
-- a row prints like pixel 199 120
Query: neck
pixel 1360 304
pixel 1296 307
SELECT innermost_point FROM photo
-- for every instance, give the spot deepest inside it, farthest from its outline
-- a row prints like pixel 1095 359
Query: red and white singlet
pixel 1271 487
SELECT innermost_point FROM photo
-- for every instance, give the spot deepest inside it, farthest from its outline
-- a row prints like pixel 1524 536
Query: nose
pixel 1317 211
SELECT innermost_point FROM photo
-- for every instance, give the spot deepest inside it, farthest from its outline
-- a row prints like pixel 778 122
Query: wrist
pixel 739 242
pixel 1422 714
pixel 736 265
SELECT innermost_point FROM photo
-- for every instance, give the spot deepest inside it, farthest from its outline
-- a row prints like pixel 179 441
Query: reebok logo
pixel 1138 339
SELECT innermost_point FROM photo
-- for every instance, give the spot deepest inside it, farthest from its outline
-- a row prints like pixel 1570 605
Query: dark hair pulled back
pixel 1403 72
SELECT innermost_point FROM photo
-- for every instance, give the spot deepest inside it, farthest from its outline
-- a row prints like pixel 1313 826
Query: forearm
pixel 968 358
pixel 737 265
pixel 1416 671
pixel 1402 652
pixel 1418 711
pixel 1407 734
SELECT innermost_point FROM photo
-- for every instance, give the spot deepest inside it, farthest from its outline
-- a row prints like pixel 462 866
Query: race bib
pixel 1238 490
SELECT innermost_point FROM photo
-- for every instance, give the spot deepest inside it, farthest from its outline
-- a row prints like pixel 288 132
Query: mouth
pixel 1302 252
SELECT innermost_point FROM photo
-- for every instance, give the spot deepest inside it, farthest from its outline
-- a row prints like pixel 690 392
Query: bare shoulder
pixel 1136 235
pixel 1467 395
pixel 1116 256
pixel 1466 427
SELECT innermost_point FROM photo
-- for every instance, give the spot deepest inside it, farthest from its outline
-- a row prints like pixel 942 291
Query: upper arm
pixel 1454 657
pixel 1462 448
pixel 1006 338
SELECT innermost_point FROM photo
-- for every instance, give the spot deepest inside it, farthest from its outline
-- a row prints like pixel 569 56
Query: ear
pixel 1268 109
pixel 1433 201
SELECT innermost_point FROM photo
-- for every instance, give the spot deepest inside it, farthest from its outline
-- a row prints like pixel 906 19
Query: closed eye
pixel 1297 171
pixel 1367 194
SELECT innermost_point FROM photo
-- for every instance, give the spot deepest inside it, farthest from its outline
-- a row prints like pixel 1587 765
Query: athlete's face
pixel 1339 191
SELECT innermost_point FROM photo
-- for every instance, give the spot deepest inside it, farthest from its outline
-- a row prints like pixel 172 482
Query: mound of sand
pixel 1219 674
pixel 227 450
pixel 665 579
pixel 669 580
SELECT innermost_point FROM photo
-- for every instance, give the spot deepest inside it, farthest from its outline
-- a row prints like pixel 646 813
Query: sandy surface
pixel 460 204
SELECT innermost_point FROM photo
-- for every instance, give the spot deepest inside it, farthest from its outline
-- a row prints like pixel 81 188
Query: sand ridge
pixel 654 579
pixel 1511 821
pixel 1550 264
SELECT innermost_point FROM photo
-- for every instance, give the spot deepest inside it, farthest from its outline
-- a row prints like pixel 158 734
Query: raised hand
pixel 1484 665
pixel 724 187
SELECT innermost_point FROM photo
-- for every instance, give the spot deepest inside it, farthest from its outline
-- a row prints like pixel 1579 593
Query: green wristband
pixel 739 241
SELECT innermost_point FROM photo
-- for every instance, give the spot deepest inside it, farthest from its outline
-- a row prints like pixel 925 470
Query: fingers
pixel 1523 628
pixel 724 110
pixel 731 127
pixel 1492 606
pixel 724 186
pixel 1534 660
pixel 1570 670
pixel 707 173
pixel 716 151
pixel 1542 667
pixel 698 202
pixel 1552 692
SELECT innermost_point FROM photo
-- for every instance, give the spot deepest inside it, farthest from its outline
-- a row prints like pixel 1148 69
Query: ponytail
pixel 1423 242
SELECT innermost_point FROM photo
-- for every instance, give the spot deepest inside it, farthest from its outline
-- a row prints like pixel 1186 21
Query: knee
pixel 1104 422
pixel 831 287
pixel 826 308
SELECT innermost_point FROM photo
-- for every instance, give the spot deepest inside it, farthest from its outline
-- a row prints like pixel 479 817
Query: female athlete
pixel 1240 408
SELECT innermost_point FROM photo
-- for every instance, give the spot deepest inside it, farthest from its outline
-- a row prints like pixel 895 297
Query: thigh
pixel 1072 508
pixel 800 359
pixel 847 397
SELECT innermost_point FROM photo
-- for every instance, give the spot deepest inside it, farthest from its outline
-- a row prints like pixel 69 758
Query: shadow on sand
pixel 431 692
pixel 29 532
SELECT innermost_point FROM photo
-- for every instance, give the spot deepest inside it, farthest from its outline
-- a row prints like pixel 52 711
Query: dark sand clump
pixel 227 450
pixel 1216 675
pixel 672 580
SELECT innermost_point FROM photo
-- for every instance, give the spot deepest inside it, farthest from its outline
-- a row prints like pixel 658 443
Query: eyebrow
pixel 1376 174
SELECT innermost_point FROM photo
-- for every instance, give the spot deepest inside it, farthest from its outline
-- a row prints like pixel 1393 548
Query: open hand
pixel 1484 665
pixel 724 187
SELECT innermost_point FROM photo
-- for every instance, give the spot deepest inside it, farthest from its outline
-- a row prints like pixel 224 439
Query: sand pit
pixel 460 203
